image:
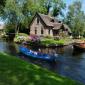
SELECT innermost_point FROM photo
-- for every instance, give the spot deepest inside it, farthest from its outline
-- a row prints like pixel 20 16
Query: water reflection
pixel 8 47
pixel 70 63
pixel 58 50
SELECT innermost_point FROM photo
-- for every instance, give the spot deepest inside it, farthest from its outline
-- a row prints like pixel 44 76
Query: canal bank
pixel 15 71
pixel 70 63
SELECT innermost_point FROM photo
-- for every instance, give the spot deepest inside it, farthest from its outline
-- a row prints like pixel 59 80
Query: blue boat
pixel 36 55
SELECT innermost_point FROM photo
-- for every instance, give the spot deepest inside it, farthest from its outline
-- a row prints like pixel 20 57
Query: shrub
pixel 34 38
pixel 20 37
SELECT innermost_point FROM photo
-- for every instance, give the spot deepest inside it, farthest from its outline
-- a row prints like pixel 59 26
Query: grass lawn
pixel 14 71
pixel 47 41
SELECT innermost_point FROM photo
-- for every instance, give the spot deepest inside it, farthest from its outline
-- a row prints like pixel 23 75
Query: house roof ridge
pixel 47 15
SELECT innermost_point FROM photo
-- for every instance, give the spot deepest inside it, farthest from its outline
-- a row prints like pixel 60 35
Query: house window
pixel 35 30
pixel 42 31
pixel 52 20
pixel 59 21
pixel 49 31
pixel 37 21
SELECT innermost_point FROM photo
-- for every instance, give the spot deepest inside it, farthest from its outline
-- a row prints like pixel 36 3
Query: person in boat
pixel 26 46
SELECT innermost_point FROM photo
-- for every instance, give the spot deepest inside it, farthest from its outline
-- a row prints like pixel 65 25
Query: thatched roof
pixel 51 22
pixel 66 27
pixel 57 26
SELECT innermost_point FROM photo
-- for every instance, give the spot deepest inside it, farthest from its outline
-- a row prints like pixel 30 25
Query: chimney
pixel 50 13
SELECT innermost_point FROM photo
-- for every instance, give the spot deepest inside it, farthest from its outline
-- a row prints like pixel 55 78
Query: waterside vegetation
pixel 41 41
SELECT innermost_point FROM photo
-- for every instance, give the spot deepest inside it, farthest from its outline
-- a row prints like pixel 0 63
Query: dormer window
pixel 59 21
pixel 52 20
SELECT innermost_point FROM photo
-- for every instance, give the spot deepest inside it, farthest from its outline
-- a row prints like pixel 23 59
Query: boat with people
pixel 79 45
pixel 36 55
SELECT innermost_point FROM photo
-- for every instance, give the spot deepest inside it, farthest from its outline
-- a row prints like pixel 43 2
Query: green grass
pixel 22 34
pixel 14 71
pixel 47 41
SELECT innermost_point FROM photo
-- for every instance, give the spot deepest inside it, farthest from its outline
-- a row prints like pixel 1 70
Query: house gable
pixel 38 26
pixel 40 20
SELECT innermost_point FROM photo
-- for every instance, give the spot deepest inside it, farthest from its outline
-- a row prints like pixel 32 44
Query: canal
pixel 69 63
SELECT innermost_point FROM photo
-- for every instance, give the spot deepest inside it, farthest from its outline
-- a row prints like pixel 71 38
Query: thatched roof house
pixel 46 25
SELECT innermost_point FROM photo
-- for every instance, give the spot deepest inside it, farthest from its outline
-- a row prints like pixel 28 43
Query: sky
pixel 68 2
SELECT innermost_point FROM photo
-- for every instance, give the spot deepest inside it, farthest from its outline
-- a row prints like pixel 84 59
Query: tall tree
pixel 2 5
pixel 58 8
pixel 56 5
pixel 13 13
pixel 76 18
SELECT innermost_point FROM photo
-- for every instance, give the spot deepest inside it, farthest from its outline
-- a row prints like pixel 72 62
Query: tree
pixel 56 5
pixel 76 18
pixel 58 8
pixel 13 13
pixel 2 5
